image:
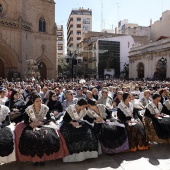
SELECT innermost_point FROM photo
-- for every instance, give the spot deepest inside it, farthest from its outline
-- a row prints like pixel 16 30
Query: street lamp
pixel 163 60
pixel 126 69
pixel 72 59
pixel 162 66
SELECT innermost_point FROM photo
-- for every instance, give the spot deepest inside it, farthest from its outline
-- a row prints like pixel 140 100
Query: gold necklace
pixel 36 113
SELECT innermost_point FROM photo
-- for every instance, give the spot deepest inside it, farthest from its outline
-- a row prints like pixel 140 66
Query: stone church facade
pixel 153 59
pixel 150 61
pixel 27 31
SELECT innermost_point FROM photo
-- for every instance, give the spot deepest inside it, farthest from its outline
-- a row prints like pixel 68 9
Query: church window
pixel 42 25
pixel 1 7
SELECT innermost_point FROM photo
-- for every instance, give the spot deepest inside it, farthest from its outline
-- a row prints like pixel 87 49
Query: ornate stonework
pixel 22 38
pixel 150 55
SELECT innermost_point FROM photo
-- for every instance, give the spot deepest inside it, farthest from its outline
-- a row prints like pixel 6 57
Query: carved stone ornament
pixel 3 8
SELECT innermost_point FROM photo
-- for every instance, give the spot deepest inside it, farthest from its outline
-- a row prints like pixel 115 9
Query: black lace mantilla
pixel 39 142
pixel 162 127
pixel 6 142
pixel 79 139
pixel 110 136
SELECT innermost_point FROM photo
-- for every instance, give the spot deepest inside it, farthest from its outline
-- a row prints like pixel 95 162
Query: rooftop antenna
pixel 101 14
pixel 77 4
pixel 118 12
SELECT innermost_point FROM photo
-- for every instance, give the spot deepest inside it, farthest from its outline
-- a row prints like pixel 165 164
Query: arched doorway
pixel 43 70
pixel 8 60
pixel 160 69
pixel 140 70
pixel 2 69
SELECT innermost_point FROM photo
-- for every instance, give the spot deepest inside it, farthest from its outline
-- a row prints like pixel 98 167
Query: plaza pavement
pixel 156 158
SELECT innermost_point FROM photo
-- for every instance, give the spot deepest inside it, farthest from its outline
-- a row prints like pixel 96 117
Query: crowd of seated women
pixel 80 121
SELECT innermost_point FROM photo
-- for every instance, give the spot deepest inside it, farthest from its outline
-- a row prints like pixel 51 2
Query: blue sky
pixel 136 11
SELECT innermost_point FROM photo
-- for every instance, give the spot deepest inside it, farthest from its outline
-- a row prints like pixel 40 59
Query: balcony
pixel 59 34
pixel 60 42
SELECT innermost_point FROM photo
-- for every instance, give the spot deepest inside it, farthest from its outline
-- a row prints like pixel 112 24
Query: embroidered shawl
pixel 128 111
pixel 4 111
pixel 167 104
pixel 106 101
pixel 102 112
pixel 71 110
pixel 145 101
pixel 34 116
pixel 153 109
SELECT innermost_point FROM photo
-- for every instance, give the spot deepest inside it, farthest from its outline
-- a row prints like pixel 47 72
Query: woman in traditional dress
pixel 135 129
pixel 7 147
pixel 166 107
pixel 3 97
pixel 117 99
pixel 162 93
pixel 138 108
pixel 80 138
pixel 157 123
pixel 16 106
pixel 37 139
pixel 111 134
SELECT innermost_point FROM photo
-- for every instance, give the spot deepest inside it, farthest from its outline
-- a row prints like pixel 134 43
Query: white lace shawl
pixel 4 111
pixel 167 104
pixel 145 101
pixel 37 117
pixel 71 110
pixel 153 109
pixel 102 112
pixel 128 111
pixel 106 101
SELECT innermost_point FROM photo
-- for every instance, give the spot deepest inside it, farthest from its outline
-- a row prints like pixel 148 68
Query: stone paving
pixel 156 158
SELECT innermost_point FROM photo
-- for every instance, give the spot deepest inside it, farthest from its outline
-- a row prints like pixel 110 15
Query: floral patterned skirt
pixel 151 133
pixel 137 136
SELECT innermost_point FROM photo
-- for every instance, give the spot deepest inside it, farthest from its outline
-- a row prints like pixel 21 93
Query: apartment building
pixel 60 40
pixel 60 49
pixel 103 51
pixel 124 27
pixel 79 22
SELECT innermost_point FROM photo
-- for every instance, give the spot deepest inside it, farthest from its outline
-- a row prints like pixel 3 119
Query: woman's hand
pixel 74 124
pixel 162 114
pixel 35 124
pixel 15 110
pixel 32 124
pixel 39 123
pixel 157 115
pixel 107 120
pixel 98 119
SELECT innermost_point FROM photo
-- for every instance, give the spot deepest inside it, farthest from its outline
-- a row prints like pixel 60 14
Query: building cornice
pixel 16 24
pixel 50 1
pixel 158 46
